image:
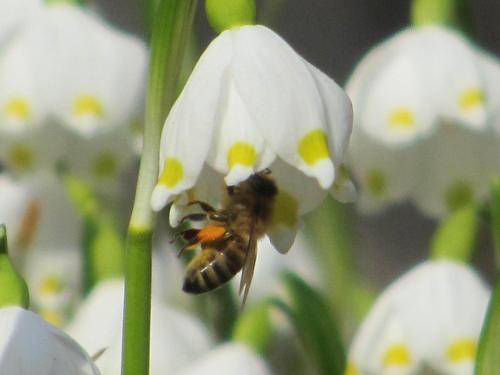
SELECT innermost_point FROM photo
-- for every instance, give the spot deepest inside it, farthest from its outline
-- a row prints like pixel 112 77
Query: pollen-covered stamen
pixel 17 108
pixel 88 105
pixel 471 98
pixel 172 174
pixel 397 355
pixel 462 350
pixel 401 118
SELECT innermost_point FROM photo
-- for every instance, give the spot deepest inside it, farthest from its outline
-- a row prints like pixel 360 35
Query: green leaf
pixel 488 355
pixel 315 326
pixel 254 328
pixel 13 288
pixel 455 238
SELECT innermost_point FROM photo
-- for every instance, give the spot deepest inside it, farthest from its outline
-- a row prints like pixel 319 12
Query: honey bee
pixel 229 240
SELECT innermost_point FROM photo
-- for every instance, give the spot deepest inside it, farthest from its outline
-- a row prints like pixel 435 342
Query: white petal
pixel 238 148
pixel 87 61
pixel 395 110
pixel 29 345
pixel 176 338
pixel 282 98
pixel 446 64
pixel 187 135
pixel 297 195
pixel 14 14
pixel 489 66
pixel 454 169
pixel 229 359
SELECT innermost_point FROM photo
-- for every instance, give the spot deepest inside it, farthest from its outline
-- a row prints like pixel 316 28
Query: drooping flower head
pixel 424 110
pixel 430 317
pixel 251 103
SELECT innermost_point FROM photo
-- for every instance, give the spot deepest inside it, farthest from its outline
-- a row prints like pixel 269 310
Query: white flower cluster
pixel 426 106
pixel 70 88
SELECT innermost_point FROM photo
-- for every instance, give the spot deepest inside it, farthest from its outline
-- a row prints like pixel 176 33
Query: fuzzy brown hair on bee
pixel 229 240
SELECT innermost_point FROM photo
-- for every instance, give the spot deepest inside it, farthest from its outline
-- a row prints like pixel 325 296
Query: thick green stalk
pixel 451 13
pixel 171 27
pixel 495 217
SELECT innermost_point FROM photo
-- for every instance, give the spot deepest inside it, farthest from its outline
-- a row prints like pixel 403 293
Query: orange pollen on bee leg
pixel 211 233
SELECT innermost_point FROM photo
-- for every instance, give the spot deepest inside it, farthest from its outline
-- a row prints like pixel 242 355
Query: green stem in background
pixel 103 247
pixel 451 13
pixel 171 27
pixel 13 289
pixel 495 217
pixel 455 238
pixel 328 228
pixel 488 354
pixel 70 2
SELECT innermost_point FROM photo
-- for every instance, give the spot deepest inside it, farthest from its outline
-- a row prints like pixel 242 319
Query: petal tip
pixel 324 172
pixel 159 197
pixel 238 174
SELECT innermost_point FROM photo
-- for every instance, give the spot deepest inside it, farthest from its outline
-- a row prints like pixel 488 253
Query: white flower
pixel 431 316
pixel 176 338
pixel 14 13
pixel 68 66
pixel 29 345
pixel 228 359
pixel 425 102
pixel 252 103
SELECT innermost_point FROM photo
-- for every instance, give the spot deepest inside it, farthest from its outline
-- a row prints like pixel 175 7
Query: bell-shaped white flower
pixel 29 345
pixel 425 104
pixel 430 317
pixel 68 66
pixel 14 14
pixel 176 338
pixel 251 103
pixel 228 359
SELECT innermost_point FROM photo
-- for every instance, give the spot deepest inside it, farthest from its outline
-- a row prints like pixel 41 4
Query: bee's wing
pixel 248 266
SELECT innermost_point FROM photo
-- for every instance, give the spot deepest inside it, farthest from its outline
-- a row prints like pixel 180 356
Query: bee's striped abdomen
pixel 212 268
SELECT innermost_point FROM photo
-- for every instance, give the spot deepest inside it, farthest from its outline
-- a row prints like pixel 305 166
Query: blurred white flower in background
pixel 14 13
pixel 430 316
pixel 425 103
pixel 70 88
pixel 228 359
pixel 250 103
pixel 176 337
pixel 29 345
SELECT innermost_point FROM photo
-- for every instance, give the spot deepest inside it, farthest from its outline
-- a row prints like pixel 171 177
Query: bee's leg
pixel 204 206
pixel 191 238
pixel 218 216
pixel 193 217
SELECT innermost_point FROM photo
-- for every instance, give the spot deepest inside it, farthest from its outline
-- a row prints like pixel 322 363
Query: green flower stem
pixel 329 229
pixel 171 27
pixel 451 13
pixel 226 14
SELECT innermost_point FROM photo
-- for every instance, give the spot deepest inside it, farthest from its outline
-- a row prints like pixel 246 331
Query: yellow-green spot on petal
pixel 286 210
pixel 18 108
pixel 376 182
pixel 458 195
pixel 397 355
pixel 173 172
pixel 21 157
pixel 462 350
pixel 52 316
pixel 104 165
pixel 313 147
pixel 402 118
pixel 471 98
pixel 50 285
pixel 351 369
pixel 241 153
pixel 87 105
